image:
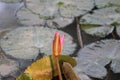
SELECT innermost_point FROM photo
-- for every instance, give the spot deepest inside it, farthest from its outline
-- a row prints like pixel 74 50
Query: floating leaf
pixel 107 3
pixel 100 31
pixel 94 57
pixel 24 76
pixel 45 68
pixel 118 30
pixel 63 58
pixel 7 66
pixel 26 17
pixel 68 8
pixel 109 16
pixel 25 42
pixel 59 22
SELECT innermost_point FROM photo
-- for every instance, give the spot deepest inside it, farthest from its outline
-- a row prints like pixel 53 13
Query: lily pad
pixel 27 17
pixel 45 68
pixel 69 8
pixel 94 57
pixel 7 67
pixel 107 3
pixel 53 11
pixel 72 8
pixel 42 7
pixel 59 22
pixel 28 42
pixel 24 76
pixel 118 30
pixel 83 76
pixel 105 16
pixel 100 31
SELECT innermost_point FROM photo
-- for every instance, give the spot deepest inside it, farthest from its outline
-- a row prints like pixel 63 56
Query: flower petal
pixel 56 44
pixel 62 41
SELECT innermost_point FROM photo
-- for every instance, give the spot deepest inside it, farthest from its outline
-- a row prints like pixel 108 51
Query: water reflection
pixel 8 12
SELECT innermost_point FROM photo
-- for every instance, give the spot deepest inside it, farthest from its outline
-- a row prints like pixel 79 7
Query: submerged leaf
pixel 60 3
pixel 45 68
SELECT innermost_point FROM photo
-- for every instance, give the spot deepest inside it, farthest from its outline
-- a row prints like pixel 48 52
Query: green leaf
pixel 65 58
pixel 115 24
pixel 60 3
pixel 24 76
pixel 45 68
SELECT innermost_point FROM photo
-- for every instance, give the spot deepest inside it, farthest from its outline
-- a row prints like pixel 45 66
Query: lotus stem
pixel 58 68
pixel 79 35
